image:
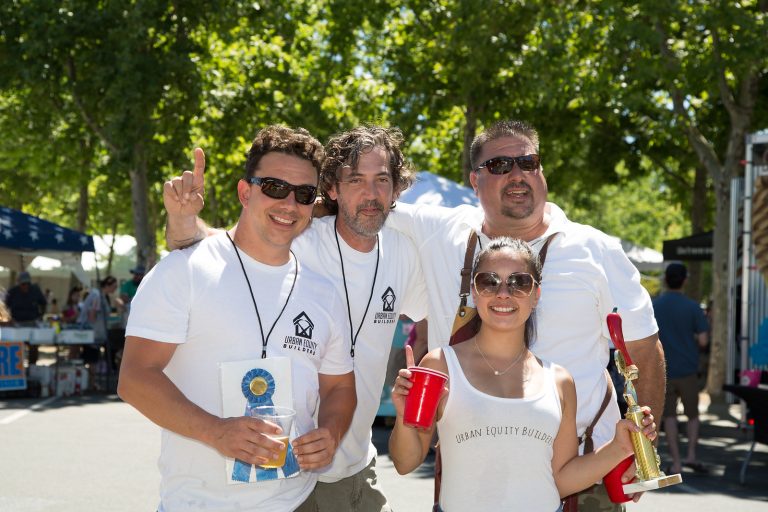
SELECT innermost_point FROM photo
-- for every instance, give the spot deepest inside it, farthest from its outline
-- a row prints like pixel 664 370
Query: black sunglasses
pixel 279 189
pixel 519 284
pixel 504 164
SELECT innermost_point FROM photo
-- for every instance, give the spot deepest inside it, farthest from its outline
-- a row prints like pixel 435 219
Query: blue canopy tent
pixel 24 237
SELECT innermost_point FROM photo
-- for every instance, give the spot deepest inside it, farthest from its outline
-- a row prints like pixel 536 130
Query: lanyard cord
pixel 264 340
pixel 346 292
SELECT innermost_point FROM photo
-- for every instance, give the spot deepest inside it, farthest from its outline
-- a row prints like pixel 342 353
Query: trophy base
pixel 652 484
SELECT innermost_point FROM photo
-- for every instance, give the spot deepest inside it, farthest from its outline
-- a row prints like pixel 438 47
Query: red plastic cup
pixel 613 483
pixel 423 397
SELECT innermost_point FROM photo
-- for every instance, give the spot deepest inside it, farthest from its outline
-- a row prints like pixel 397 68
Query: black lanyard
pixel 265 340
pixel 346 293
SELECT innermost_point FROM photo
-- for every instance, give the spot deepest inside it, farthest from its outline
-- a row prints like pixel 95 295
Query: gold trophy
pixel 649 475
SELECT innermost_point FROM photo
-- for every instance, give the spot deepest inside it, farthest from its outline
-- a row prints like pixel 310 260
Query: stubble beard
pixel 364 226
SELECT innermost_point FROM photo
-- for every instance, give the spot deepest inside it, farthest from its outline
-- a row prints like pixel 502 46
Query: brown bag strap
pixel 466 271
pixel 544 248
pixel 587 437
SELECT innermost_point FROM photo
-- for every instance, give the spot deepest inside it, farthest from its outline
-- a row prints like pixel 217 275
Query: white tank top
pixel 497 452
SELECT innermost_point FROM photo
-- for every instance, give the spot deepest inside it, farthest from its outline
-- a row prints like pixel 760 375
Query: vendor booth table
pixel 60 378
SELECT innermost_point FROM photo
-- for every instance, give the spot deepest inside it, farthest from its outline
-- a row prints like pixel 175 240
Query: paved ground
pixel 95 453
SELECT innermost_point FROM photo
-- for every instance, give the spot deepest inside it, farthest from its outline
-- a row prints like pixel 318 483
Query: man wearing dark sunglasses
pixel 205 316
pixel 374 268
pixel 585 275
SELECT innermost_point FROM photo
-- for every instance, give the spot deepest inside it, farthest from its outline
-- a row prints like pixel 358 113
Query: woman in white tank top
pixel 507 420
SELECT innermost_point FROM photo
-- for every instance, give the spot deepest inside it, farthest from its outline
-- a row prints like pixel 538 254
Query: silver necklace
pixel 495 371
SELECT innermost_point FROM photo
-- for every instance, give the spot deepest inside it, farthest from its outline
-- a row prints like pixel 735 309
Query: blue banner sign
pixel 12 374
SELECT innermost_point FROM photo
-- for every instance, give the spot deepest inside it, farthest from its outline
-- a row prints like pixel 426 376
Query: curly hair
pixel 498 130
pixel 345 149
pixel 281 139
pixel 518 248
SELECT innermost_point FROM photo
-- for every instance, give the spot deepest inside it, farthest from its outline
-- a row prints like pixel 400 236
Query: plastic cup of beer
pixel 613 483
pixel 423 397
pixel 282 417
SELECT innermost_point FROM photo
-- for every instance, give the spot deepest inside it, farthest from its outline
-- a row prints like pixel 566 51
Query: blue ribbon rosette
pixel 258 386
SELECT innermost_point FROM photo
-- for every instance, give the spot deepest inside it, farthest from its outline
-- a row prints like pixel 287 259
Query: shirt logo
pixel 388 315
pixel 388 300
pixel 303 325
pixel 302 341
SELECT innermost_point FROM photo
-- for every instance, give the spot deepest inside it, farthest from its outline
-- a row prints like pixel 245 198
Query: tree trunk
pixel 111 256
pixel 82 207
pixel 470 128
pixel 719 334
pixel 699 207
pixel 146 244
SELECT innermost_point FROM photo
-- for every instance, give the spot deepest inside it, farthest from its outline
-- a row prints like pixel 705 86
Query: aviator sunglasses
pixel 519 284
pixel 504 164
pixel 279 189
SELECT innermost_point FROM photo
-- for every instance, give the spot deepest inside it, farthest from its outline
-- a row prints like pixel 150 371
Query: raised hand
pixel 183 195
pixel 403 383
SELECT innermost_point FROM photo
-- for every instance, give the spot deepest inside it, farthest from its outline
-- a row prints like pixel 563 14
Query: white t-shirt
pixel 198 298
pixel 585 275
pixel 399 289
pixel 497 452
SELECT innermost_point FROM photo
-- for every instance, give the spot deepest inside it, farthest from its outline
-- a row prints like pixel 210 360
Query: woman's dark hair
pixel 107 281
pixel 518 248
pixel 78 291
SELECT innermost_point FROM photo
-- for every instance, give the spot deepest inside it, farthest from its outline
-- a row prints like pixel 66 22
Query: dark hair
pixel 281 139
pixel 532 262
pixel 345 149
pixel 675 275
pixel 107 281
pixel 74 289
pixel 499 130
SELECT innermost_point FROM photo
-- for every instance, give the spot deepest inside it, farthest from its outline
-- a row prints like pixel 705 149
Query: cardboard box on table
pixel 45 376
pixel 67 380
pixel 42 336
pixel 72 380
pixel 75 337
pixel 15 333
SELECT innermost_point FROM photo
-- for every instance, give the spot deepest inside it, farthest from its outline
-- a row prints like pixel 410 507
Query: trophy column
pixel 649 474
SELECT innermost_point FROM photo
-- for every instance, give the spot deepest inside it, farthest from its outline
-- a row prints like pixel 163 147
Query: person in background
pixel 683 332
pixel 26 304
pixel 507 423
pixel 53 304
pixel 128 288
pixel 70 314
pixel 5 315
pixel 94 314
pixel 71 310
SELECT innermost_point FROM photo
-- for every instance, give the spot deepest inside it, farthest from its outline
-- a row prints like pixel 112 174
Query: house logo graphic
pixel 388 299
pixel 302 341
pixel 303 326
pixel 387 314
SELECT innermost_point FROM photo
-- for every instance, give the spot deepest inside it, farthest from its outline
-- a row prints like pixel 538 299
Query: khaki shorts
pixel 356 493
pixel 595 499
pixel 687 389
